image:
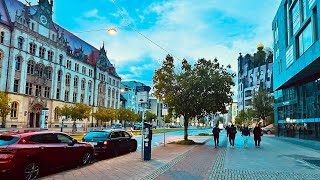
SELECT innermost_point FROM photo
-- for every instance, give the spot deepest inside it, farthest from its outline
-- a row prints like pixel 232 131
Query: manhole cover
pixel 313 162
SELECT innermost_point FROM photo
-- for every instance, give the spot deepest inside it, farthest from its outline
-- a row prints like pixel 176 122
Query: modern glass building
pixel 296 69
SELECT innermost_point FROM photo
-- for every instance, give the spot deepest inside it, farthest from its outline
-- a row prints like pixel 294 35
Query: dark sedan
pixel 111 142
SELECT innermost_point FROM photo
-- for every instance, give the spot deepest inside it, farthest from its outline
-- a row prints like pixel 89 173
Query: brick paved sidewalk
pixel 130 166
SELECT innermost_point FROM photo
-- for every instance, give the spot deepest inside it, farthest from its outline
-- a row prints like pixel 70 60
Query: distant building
pixel 232 113
pixel 296 69
pixel 254 73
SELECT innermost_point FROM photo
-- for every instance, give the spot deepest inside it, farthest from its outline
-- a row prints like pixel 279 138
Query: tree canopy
pixel 125 114
pixel 263 104
pixel 194 90
pixel 4 108
pixel 105 114
pixel 150 116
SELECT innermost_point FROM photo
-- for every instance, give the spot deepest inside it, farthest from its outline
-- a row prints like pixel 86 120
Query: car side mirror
pixel 74 141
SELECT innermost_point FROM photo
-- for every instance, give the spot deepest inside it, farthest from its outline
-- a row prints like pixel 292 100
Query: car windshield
pixel 7 140
pixel 96 134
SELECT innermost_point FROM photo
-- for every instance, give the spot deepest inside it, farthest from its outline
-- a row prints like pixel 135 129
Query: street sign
pixel 164 109
pixel 142 97
pixel 165 106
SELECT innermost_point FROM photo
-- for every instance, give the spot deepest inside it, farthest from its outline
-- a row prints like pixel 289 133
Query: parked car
pixel 111 142
pixel 137 126
pixel 28 154
pixel 266 130
pixel 116 126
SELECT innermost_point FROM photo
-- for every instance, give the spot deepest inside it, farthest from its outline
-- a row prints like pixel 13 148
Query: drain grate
pixel 313 162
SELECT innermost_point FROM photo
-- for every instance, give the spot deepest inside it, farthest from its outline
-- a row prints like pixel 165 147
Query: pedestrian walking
pixel 227 129
pixel 232 135
pixel 216 132
pixel 257 135
pixel 245 134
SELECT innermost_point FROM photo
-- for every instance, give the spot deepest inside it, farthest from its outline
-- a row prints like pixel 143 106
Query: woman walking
pixel 245 134
pixel 257 135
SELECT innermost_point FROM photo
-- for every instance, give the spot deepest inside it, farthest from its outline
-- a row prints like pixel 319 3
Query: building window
pixel 75 82
pixel 2 37
pixel 83 84
pixel 68 64
pixel 47 92
pixel 14 110
pixel 118 84
pixel 49 72
pixel 90 72
pixel 59 75
pixel 66 96
pixel 75 97
pixel 50 55
pixel 58 94
pixel 32 49
pixel 40 70
pixel 305 39
pixel 32 26
pixel 20 42
pixel 42 51
pixel 68 79
pixel 289 56
pixel 276 39
pixel 53 37
pixel 89 85
pixel 38 90
pixel 60 59
pixel 109 80
pixel 18 63
pixel 82 98
pixel 295 14
pixel 56 114
pixel 28 88
pixel 16 85
pixel 89 100
pixel 30 68
pixel 113 82
pixel 84 69
pixel 76 67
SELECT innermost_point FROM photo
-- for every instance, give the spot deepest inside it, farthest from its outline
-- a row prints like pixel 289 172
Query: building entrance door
pixel 35 116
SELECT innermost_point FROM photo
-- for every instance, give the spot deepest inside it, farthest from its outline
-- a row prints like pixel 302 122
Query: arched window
pixel 20 42
pixel 30 68
pixel 68 76
pixel 42 52
pixel 56 113
pixel 18 63
pixel 32 49
pixel 89 85
pixel 59 75
pixel 83 84
pixel 50 55
pixel 112 93
pixel 40 70
pixel 2 37
pixel 75 82
pixel 60 59
pixel 14 110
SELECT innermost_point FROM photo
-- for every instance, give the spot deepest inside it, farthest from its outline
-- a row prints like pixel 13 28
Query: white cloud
pixel 91 13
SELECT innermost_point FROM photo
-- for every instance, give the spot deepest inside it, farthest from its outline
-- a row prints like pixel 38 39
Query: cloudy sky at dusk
pixel 188 29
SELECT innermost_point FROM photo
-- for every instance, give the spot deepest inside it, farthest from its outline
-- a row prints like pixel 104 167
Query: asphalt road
pixel 158 139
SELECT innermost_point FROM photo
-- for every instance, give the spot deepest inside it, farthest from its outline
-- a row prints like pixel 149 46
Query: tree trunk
pixel 3 124
pixel 186 123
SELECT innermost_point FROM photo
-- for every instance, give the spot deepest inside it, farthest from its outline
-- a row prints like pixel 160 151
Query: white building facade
pixel 44 66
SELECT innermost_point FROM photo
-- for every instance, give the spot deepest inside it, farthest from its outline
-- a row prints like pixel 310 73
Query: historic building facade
pixel 254 73
pixel 296 69
pixel 43 66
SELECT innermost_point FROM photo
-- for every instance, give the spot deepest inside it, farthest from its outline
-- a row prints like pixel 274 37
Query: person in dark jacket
pixel 227 129
pixel 232 135
pixel 257 135
pixel 245 133
pixel 216 132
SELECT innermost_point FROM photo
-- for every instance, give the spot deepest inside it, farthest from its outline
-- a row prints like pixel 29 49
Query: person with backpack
pixel 232 135
pixel 216 132
pixel 257 135
pixel 245 134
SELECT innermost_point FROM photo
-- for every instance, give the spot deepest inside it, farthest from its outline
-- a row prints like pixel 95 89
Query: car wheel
pixel 86 158
pixel 31 170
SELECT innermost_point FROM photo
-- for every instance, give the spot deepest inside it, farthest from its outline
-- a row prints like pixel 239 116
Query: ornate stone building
pixel 43 66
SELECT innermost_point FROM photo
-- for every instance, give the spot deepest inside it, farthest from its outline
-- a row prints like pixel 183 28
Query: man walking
pixel 232 135
pixel 216 132
pixel 257 135
pixel 245 134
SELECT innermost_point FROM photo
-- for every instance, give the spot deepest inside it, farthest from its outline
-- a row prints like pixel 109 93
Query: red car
pixel 28 153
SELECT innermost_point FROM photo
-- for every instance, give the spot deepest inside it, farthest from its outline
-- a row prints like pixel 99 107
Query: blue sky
pixel 189 29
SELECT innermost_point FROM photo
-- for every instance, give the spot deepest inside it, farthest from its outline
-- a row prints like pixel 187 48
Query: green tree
pixel 79 111
pixel 4 108
pixel 263 104
pixel 137 118
pixel 241 118
pixel 202 121
pixel 150 116
pixel 219 119
pixel 105 114
pixel 194 90
pixel 167 119
pixel 251 114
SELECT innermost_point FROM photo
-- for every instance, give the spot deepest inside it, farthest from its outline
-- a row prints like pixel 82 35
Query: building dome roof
pixel 260 46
